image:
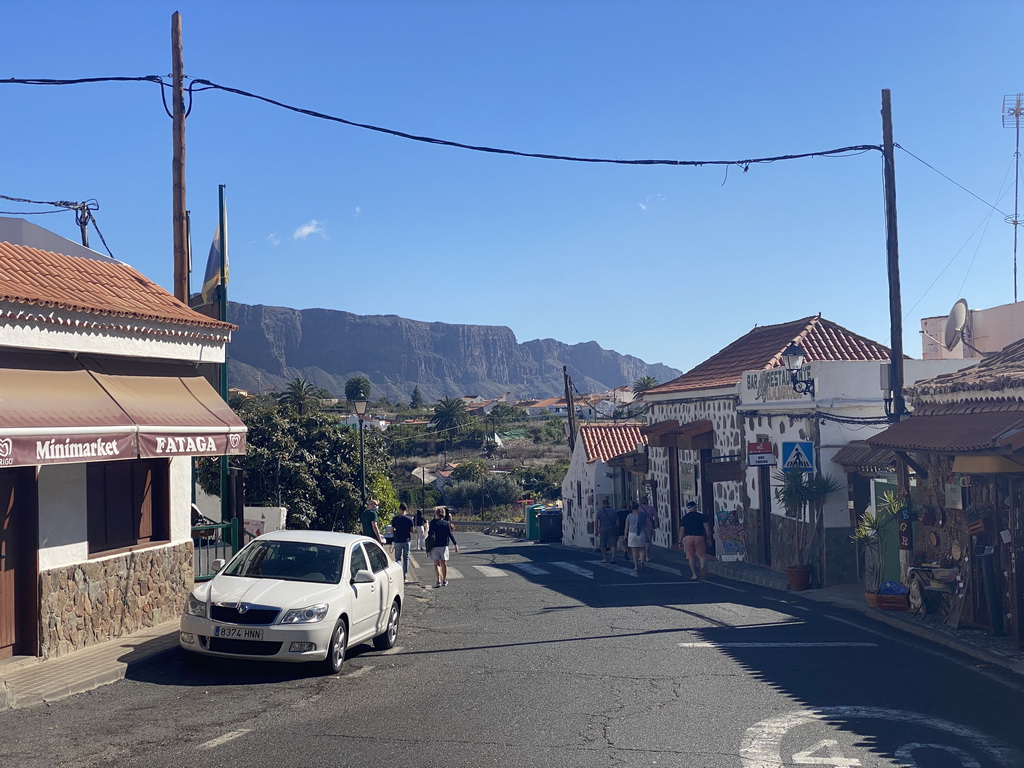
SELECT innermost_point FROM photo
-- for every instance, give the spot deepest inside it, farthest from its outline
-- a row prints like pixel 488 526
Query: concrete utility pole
pixel 180 228
pixel 892 251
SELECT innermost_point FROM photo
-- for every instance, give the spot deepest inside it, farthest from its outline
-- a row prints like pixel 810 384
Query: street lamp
pixel 793 359
pixel 360 406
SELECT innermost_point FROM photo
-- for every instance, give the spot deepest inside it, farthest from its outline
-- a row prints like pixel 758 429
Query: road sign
pixel 760 455
pixel 798 456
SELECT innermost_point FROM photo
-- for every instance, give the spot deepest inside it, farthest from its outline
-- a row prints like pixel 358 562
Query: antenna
pixel 955 324
pixel 1011 119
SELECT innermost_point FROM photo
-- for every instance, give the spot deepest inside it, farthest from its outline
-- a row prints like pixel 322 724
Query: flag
pixel 213 262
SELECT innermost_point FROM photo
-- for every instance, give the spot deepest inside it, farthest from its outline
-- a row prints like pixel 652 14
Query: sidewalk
pixel 26 682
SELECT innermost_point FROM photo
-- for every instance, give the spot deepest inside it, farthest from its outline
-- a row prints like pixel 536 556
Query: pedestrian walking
pixel 636 533
pixel 401 527
pixel 440 531
pixel 622 514
pixel 695 531
pixel 368 519
pixel 448 518
pixel 421 529
pixel 608 531
pixel 651 524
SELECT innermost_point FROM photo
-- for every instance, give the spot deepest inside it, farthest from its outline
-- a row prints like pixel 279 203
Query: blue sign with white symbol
pixel 798 456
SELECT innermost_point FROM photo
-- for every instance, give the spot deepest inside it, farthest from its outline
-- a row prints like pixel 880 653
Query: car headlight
pixel 307 615
pixel 195 607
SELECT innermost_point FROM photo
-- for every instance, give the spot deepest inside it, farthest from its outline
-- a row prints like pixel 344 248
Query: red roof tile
pixel 761 349
pixel 954 427
pixel 604 441
pixel 995 372
pixel 41 278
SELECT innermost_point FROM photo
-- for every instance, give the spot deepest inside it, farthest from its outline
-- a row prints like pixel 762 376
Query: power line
pixel 947 178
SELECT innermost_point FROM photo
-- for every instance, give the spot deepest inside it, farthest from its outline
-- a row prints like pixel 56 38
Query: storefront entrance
pixel 18 534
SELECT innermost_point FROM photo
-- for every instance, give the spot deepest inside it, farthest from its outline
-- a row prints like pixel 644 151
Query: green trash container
pixel 532 526
pixel 550 525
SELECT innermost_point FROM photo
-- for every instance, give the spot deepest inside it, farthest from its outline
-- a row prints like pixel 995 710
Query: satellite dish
pixel 958 318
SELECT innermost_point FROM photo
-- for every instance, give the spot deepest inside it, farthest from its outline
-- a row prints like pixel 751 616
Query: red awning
pixel 56 409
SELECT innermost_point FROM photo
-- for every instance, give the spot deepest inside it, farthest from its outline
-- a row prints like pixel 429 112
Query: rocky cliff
pixel 274 345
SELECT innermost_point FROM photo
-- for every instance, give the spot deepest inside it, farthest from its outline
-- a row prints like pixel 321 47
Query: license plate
pixel 241 633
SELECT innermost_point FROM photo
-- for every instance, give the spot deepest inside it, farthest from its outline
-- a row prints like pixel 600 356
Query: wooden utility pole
pixel 570 407
pixel 892 251
pixel 181 287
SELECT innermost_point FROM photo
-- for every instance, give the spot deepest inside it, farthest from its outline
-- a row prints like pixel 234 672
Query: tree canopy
pixel 644 383
pixel 357 388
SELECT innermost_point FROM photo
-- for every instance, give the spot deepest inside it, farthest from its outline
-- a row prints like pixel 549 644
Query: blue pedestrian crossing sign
pixel 798 456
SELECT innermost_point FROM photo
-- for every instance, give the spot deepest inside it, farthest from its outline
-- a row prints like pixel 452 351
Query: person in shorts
pixel 441 530
pixel 608 532
pixel 695 531
pixel 637 534
pixel 402 526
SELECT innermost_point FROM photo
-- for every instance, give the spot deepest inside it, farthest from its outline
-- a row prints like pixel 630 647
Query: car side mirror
pixel 363 576
pixel 217 565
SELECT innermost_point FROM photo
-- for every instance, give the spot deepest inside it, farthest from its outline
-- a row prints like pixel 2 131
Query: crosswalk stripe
pixel 779 645
pixel 665 568
pixel 530 568
pixel 614 567
pixel 573 568
pixel 490 570
pixel 454 573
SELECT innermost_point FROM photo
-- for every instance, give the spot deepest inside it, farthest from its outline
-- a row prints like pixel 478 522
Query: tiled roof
pixel 859 453
pixel 761 349
pixel 44 279
pixel 603 441
pixel 994 372
pixel 954 427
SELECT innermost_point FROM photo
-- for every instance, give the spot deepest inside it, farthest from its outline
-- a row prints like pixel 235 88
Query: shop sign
pixel 760 455
pixel 158 446
pixel 31 450
pixel 775 384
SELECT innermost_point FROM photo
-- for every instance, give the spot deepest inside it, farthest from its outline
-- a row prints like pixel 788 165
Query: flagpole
pixel 222 314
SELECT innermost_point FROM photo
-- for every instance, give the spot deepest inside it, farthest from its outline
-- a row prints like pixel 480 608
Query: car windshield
pixel 288 560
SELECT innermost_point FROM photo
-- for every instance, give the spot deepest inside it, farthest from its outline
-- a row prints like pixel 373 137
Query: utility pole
pixel 892 252
pixel 569 408
pixel 180 225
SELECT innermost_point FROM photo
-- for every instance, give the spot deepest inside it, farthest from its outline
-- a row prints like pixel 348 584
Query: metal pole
pixel 362 463
pixel 893 262
pixel 222 314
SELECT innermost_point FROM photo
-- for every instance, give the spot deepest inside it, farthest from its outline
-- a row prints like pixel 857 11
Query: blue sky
pixel 666 263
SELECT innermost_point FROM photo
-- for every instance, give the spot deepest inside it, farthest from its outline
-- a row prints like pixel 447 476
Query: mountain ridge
pixel 326 347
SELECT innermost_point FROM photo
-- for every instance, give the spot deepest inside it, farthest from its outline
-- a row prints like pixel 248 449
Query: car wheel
pixel 387 638
pixel 336 650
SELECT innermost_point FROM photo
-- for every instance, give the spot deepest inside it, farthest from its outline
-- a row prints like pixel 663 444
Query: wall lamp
pixel 793 359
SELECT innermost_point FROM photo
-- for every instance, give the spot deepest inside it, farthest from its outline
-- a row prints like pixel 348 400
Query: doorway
pixel 19 524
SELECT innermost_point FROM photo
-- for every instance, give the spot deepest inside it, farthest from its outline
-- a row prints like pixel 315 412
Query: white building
pixel 102 409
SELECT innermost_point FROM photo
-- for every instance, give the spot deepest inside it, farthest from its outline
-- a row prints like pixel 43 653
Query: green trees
pixel 357 388
pixel 644 383
pixel 416 401
pixel 450 417
pixel 301 396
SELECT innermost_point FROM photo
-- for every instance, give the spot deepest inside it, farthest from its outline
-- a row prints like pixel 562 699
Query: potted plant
pixel 803 495
pixel 874 529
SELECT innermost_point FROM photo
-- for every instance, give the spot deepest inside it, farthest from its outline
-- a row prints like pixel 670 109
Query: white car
pixel 297 596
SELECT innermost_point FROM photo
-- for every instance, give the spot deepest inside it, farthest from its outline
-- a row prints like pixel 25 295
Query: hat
pixel 691 504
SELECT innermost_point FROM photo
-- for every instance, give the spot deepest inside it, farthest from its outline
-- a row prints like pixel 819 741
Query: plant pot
pixel 894 602
pixel 798 578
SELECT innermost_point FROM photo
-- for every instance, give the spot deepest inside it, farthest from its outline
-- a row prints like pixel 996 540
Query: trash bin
pixel 532 525
pixel 550 525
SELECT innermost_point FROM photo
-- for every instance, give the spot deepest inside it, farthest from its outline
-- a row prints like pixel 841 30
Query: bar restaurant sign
pixel 775 384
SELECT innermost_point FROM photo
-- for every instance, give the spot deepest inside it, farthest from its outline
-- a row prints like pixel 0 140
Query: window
pixel 358 562
pixel 127 503
pixel 378 558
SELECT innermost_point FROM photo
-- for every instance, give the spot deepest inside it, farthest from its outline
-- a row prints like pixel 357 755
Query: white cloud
pixel 313 227
pixel 358 211
pixel 273 239
pixel 646 203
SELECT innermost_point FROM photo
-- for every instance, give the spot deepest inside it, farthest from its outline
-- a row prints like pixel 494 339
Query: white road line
pixel 665 568
pixel 779 645
pixel 530 568
pixel 573 568
pixel 613 567
pixel 725 586
pixel 454 573
pixel 412 562
pixel 490 570
pixel 229 736
pixel 646 583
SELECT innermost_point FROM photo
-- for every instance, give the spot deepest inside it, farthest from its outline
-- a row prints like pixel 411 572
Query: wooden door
pixel 8 565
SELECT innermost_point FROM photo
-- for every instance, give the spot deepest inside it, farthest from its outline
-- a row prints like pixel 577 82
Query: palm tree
pixel 644 383
pixel 300 395
pixel 450 416
pixel 357 388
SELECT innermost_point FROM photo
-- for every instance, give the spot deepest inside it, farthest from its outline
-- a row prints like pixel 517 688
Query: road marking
pixel 229 736
pixel 762 743
pixel 412 562
pixel 646 583
pixel 530 568
pixel 490 570
pixel 665 568
pixel 720 585
pixel 573 568
pixel 614 567
pixel 454 573
pixel 358 672
pixel 780 645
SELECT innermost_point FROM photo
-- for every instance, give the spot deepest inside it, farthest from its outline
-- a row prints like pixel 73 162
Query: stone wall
pixel 92 602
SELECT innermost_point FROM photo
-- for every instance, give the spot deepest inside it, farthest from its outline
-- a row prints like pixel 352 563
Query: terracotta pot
pixel 799 578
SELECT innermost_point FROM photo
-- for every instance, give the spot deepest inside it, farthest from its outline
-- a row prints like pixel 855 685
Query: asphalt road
pixel 538 655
